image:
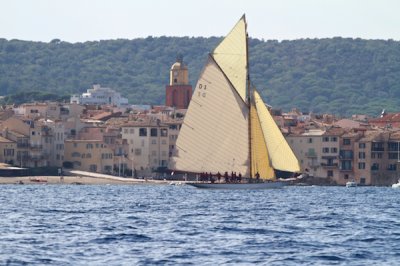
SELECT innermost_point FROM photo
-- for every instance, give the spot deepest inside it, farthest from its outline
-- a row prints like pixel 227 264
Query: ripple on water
pixel 170 225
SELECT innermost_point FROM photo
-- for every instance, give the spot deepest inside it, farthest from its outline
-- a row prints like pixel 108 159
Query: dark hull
pixel 238 186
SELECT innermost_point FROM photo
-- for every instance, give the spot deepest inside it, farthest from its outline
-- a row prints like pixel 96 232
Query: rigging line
pixel 188 125
pixel 209 82
pixel 229 54
pixel 181 149
pixel 196 103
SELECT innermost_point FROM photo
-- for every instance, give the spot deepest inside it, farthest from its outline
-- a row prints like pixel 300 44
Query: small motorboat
pixel 397 185
pixel 351 184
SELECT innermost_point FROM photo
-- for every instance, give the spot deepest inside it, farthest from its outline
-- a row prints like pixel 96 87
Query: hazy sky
pixel 85 20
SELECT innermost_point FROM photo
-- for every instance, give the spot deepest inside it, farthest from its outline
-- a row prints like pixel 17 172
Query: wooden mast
pixel 248 96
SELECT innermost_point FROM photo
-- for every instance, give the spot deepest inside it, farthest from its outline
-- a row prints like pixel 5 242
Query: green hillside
pixel 340 76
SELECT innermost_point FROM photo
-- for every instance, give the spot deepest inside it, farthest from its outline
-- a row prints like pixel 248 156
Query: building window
pixel 361 145
pixel 361 165
pixel 377 146
pixel 164 132
pixel 346 154
pixel 346 176
pixel 346 165
pixel 334 139
pixel 164 142
pixel 325 139
pixel 309 140
pixel 138 151
pixel 375 167
pixel 153 141
pixel 393 146
pixel 361 155
pixel 8 152
pixel 132 130
pixel 93 168
pixel 392 167
pixel 142 132
pixel 330 173
pixel 325 150
pixel 346 141
pixel 393 155
pixel 333 150
pixel 153 132
pixel 125 131
pixel 76 154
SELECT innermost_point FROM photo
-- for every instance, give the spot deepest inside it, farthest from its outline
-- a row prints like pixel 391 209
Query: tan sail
pixel 231 56
pixel 214 135
pixel 281 155
pixel 259 154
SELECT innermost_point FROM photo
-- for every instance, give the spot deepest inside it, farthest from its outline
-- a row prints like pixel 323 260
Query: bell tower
pixel 179 91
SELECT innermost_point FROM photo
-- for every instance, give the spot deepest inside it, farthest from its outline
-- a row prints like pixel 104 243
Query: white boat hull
pixel 238 186
pixel 351 184
pixel 397 185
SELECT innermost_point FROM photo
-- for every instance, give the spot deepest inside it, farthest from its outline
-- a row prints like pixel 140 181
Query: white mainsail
pixel 225 132
pixel 231 56
pixel 214 135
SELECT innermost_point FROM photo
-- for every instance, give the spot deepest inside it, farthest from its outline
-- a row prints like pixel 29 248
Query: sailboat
pixel 227 127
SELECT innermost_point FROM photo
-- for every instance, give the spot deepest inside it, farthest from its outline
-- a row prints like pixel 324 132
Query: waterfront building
pixel 148 144
pixel 378 157
pixel 33 140
pixel 88 155
pixel 100 96
pixel 317 151
pixel 8 151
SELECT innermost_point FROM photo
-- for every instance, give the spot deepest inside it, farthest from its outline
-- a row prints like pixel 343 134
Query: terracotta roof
pixel 388 118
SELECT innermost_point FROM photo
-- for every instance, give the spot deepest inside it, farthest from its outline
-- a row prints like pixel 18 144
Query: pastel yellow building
pixel 88 155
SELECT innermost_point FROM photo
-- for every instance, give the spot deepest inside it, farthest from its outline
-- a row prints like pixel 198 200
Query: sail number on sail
pixel 202 90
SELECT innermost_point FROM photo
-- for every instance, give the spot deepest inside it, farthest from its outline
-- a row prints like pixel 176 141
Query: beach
pixel 80 178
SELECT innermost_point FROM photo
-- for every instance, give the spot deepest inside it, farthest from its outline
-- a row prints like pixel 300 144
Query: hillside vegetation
pixel 340 76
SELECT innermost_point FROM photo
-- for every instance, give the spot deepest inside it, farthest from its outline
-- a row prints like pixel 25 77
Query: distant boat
pixel 351 184
pixel 228 128
pixel 397 185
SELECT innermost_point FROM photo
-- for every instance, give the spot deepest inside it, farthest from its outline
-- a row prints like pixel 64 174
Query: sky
pixel 93 20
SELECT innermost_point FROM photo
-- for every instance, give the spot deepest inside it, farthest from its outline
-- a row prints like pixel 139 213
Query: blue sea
pixel 182 225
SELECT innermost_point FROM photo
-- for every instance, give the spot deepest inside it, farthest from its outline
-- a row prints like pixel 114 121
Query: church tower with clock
pixel 179 91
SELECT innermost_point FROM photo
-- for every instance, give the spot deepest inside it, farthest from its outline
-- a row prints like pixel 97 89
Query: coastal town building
pixel 99 96
pixel 148 144
pixel 8 150
pixel 88 155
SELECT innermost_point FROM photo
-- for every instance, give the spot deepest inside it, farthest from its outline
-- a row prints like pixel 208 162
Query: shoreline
pixel 79 180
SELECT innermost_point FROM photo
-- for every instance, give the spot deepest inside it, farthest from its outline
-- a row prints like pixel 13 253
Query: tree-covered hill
pixel 341 76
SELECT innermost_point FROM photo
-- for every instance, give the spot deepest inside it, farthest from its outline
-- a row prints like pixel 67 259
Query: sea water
pixel 182 225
